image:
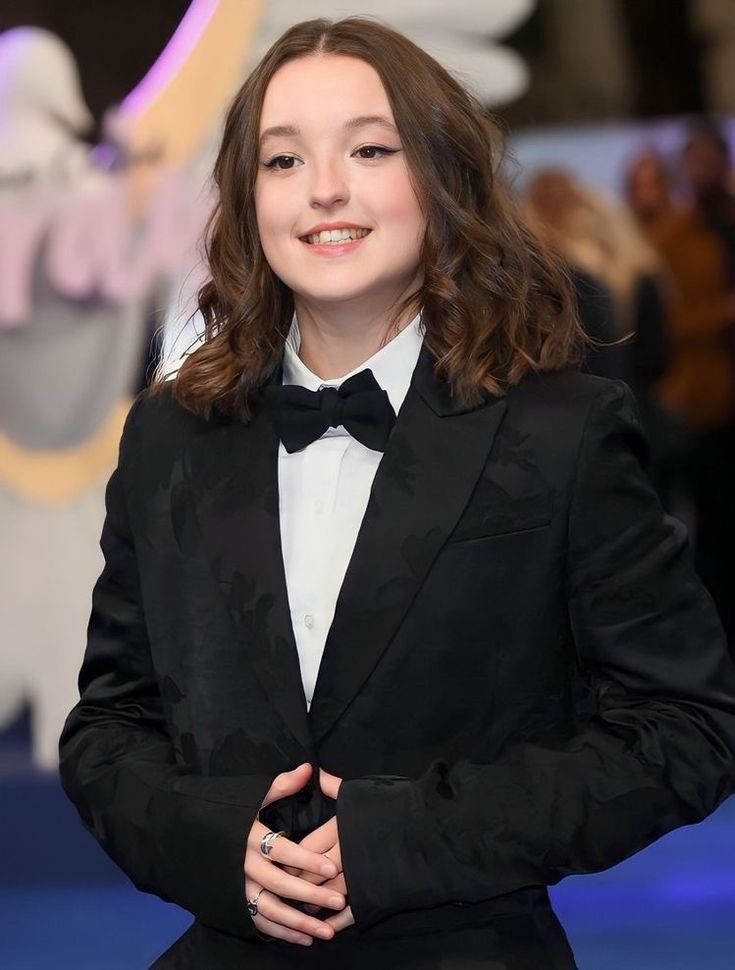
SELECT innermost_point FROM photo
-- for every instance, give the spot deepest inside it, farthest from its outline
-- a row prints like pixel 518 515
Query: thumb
pixel 287 783
pixel 329 784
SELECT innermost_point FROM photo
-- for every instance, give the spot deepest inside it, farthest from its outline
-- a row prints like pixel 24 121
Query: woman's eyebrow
pixel 278 131
pixel 361 121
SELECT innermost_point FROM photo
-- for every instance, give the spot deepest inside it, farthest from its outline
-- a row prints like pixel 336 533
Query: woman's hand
pixel 265 878
pixel 325 841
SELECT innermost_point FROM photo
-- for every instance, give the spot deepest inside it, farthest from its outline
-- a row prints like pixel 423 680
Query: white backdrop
pixel 600 154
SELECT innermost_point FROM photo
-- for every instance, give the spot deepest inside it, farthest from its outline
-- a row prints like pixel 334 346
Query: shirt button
pixel 308 621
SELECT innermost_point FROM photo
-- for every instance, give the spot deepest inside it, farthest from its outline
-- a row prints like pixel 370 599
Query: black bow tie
pixel 359 404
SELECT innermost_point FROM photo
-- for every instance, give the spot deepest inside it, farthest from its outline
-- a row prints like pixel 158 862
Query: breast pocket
pixel 513 515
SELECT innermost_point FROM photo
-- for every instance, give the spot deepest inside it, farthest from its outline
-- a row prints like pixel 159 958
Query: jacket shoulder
pixel 156 410
pixel 568 385
pixel 555 411
pixel 561 398
pixel 157 431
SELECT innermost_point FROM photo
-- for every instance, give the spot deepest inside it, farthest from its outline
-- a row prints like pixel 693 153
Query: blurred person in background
pixel 67 366
pixel 707 170
pixel 647 191
pixel 694 241
pixel 621 300
pixel 551 207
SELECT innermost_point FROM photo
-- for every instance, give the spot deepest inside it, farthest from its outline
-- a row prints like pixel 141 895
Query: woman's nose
pixel 328 187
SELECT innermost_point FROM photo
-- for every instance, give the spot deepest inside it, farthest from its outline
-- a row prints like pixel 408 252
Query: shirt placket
pixel 322 463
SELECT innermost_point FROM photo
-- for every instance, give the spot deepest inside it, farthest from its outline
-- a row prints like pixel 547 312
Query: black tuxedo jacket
pixel 524 677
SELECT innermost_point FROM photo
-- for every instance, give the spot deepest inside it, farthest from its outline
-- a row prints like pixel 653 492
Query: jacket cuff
pixel 377 835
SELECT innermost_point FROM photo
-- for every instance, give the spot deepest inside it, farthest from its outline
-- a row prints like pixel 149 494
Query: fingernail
pixel 325 933
pixel 336 901
pixel 329 870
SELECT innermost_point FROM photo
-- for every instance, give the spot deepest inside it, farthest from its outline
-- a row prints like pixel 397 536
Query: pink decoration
pixel 88 245
pixel 171 58
pixel 21 234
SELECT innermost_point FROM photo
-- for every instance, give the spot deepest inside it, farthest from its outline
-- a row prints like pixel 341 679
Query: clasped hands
pixel 309 872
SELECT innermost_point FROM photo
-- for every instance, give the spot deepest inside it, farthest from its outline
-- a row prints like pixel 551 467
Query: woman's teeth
pixel 336 236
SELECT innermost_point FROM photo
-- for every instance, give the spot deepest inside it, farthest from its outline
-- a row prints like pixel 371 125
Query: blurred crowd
pixel 654 273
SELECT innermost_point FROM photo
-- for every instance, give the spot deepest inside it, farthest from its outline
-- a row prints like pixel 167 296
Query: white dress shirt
pixel 323 494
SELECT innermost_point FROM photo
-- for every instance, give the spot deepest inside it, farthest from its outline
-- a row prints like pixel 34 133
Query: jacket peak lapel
pixel 430 467
pixel 234 484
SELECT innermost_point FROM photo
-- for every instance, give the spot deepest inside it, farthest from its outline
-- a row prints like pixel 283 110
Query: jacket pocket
pixel 520 515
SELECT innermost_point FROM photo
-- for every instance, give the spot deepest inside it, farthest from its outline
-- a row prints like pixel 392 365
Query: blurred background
pixel 619 121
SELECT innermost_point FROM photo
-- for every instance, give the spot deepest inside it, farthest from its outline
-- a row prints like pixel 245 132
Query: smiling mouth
pixel 335 236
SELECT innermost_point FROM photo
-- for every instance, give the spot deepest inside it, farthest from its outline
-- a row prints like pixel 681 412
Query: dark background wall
pixel 114 41
pixel 666 54
pixel 595 60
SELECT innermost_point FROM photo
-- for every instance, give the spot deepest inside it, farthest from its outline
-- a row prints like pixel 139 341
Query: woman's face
pixel 648 190
pixel 331 160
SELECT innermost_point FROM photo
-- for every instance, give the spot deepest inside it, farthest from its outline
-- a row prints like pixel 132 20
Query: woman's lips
pixel 334 233
pixel 341 248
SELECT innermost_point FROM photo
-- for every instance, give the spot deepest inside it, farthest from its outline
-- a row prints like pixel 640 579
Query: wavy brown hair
pixel 495 304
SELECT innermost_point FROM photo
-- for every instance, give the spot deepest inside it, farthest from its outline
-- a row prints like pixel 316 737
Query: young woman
pixel 358 687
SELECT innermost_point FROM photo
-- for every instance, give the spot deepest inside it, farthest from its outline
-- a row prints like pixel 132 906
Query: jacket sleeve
pixel 176 833
pixel 658 751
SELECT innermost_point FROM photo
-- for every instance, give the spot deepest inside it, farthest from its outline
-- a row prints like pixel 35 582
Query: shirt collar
pixel 392 366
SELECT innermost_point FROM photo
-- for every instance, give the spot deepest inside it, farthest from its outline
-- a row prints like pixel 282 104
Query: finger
pixel 272 908
pixel 287 783
pixel 329 784
pixel 254 891
pixel 288 853
pixel 251 888
pixel 341 920
pixel 338 885
pixel 279 932
pixel 278 882
pixel 323 838
pixel 306 876
pixel 319 880
pixel 334 855
pixel 310 877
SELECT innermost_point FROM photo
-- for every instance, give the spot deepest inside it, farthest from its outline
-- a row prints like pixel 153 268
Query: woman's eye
pixel 283 163
pixel 374 151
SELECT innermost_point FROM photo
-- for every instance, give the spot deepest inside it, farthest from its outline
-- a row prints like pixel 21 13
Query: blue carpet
pixel 107 926
pixel 670 907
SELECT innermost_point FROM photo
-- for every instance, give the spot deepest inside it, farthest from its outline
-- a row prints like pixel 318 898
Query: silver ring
pixel 266 843
pixel 253 903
